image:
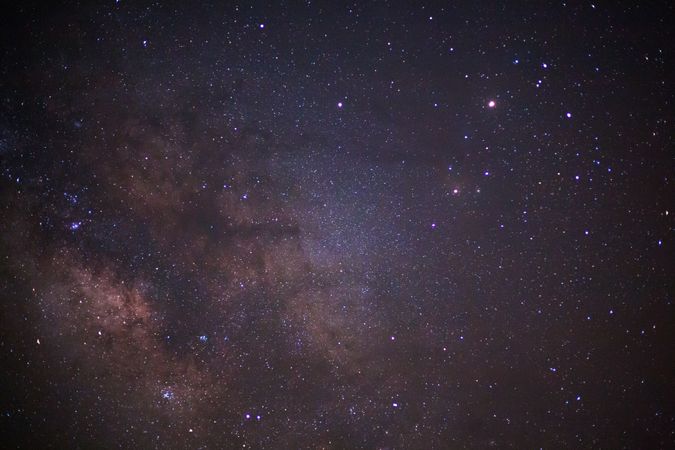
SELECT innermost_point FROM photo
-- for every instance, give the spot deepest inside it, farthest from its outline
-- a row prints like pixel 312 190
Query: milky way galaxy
pixel 384 225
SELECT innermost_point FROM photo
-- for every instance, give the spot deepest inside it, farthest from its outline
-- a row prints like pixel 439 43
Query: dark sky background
pixel 328 225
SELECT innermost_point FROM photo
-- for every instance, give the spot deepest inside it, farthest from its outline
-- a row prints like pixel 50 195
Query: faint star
pixel 72 198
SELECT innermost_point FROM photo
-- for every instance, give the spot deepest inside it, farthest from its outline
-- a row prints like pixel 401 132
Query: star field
pixel 377 225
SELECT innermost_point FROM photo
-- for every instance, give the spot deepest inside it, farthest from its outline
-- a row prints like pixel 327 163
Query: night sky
pixel 327 225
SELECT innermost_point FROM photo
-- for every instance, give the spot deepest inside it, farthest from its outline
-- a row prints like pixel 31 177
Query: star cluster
pixel 324 225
